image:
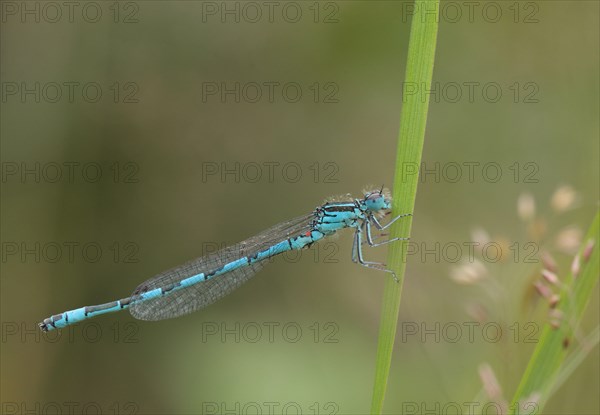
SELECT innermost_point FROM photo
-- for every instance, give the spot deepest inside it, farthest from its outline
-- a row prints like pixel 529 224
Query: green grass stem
pixel 413 118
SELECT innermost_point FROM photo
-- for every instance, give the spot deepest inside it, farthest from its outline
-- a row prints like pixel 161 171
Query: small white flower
pixel 468 273
pixel 564 198
pixel 526 206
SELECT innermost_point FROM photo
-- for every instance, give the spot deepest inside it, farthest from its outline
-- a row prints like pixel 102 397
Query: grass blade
pixel 413 117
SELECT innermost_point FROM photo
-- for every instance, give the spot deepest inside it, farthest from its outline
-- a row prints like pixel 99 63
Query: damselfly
pixel 204 280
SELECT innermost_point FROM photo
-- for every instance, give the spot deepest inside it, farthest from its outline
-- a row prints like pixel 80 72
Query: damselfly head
pixel 376 200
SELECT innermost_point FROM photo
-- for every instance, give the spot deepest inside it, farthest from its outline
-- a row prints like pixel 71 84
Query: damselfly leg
pixel 357 256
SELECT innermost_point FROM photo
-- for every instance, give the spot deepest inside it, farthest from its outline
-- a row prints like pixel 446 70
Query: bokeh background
pixel 163 135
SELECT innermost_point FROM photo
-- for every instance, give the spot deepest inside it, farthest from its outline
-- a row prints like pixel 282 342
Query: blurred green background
pixel 161 136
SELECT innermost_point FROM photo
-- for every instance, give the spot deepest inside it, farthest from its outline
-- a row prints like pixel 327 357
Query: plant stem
pixel 413 117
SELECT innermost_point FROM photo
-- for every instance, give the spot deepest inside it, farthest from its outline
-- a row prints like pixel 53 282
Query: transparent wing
pixel 186 300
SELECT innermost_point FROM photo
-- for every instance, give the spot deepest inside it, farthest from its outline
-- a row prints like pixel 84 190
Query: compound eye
pixel 373 196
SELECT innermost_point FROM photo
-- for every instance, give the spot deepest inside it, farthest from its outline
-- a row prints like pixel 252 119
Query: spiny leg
pixel 357 256
pixel 370 239
pixel 357 253
pixel 376 238
pixel 354 250
pixel 387 225
pixel 367 224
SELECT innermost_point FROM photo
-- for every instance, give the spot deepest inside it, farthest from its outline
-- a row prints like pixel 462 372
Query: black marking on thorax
pixel 339 208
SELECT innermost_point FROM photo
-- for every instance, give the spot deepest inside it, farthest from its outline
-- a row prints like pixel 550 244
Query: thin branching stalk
pixel 547 367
